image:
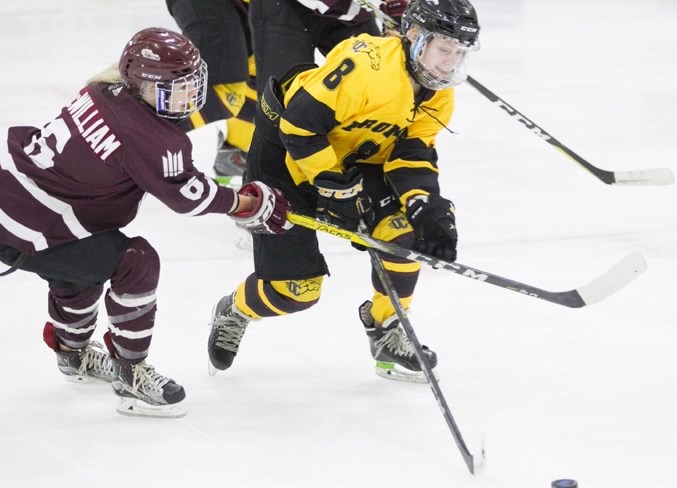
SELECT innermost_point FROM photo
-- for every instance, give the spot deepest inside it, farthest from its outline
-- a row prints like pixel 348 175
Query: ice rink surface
pixel 588 394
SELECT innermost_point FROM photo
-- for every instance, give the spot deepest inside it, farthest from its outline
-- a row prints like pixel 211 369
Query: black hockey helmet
pixel 452 18
pixel 427 24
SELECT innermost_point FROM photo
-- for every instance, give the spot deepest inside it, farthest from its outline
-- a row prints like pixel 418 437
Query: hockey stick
pixel 380 15
pixel 650 176
pixel 597 290
pixel 475 463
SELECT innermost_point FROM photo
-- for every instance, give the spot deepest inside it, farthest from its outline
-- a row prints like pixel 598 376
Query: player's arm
pixel 179 185
pixel 413 173
pixel 303 131
pixel 326 96
pixel 412 166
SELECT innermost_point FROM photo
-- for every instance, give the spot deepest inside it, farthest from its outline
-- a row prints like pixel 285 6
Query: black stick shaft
pixel 607 177
pixel 418 350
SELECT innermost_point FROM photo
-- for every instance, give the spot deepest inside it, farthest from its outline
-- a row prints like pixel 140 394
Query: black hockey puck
pixel 564 484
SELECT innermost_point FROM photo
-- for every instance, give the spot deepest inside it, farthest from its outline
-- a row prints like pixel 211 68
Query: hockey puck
pixel 564 484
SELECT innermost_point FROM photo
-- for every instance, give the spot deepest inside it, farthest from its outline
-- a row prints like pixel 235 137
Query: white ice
pixel 588 394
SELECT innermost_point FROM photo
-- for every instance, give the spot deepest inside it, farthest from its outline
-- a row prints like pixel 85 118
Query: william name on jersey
pixel 82 110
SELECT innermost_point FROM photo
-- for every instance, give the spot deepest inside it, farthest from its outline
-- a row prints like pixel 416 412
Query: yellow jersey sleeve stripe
pixel 401 163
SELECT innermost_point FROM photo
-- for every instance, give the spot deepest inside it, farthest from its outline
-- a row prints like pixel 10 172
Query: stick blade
pixel 644 177
pixel 626 270
pixel 479 459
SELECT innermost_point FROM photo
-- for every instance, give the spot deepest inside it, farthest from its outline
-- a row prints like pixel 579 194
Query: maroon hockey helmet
pixel 172 63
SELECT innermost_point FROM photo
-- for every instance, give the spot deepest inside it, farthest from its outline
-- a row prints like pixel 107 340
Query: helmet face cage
pixel 451 21
pixel 426 74
pixel 180 97
pixel 165 67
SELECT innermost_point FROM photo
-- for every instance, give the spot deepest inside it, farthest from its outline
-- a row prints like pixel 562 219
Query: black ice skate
pixel 91 364
pixel 390 347
pixel 228 326
pixel 230 163
pixel 144 392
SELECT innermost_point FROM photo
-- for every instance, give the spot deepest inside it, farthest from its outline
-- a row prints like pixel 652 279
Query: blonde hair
pixel 393 32
pixel 109 75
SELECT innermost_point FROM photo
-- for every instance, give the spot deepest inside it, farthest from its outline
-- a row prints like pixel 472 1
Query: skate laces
pixel 147 379
pixel 93 358
pixel 396 341
pixel 230 329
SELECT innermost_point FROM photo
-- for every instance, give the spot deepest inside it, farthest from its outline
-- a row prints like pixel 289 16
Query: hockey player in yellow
pixel 354 141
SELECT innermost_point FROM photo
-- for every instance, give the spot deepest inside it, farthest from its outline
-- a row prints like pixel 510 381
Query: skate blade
pixel 392 371
pixel 85 380
pixel 210 367
pixel 133 407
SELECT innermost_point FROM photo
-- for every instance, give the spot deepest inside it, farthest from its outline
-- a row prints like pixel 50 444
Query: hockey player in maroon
pixel 69 186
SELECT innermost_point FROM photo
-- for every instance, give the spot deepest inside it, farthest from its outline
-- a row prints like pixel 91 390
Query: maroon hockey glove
pixel 394 8
pixel 270 214
pixel 341 200
pixel 434 223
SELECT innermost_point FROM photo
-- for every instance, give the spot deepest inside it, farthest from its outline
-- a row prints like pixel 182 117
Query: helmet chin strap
pixel 146 92
pixel 408 62
pixel 418 87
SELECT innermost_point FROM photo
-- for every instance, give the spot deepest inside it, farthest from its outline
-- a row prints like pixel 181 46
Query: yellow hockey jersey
pixel 359 107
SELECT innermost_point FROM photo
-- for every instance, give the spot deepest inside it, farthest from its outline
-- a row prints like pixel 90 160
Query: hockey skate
pixel 390 347
pixel 144 392
pixel 230 163
pixel 228 326
pixel 91 364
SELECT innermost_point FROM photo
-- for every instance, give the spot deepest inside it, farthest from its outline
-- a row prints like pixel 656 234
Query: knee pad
pixel 394 228
pixel 258 298
pixel 232 96
pixel 301 291
pixel 139 270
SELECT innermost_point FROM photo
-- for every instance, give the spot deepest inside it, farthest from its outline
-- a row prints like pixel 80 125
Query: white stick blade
pixel 480 459
pixel 613 280
pixel 653 176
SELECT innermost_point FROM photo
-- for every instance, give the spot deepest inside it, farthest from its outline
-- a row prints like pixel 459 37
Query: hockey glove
pixel 434 223
pixel 269 216
pixel 341 199
pixel 394 9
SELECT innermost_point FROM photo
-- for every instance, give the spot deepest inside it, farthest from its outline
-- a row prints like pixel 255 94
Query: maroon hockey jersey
pixel 87 171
